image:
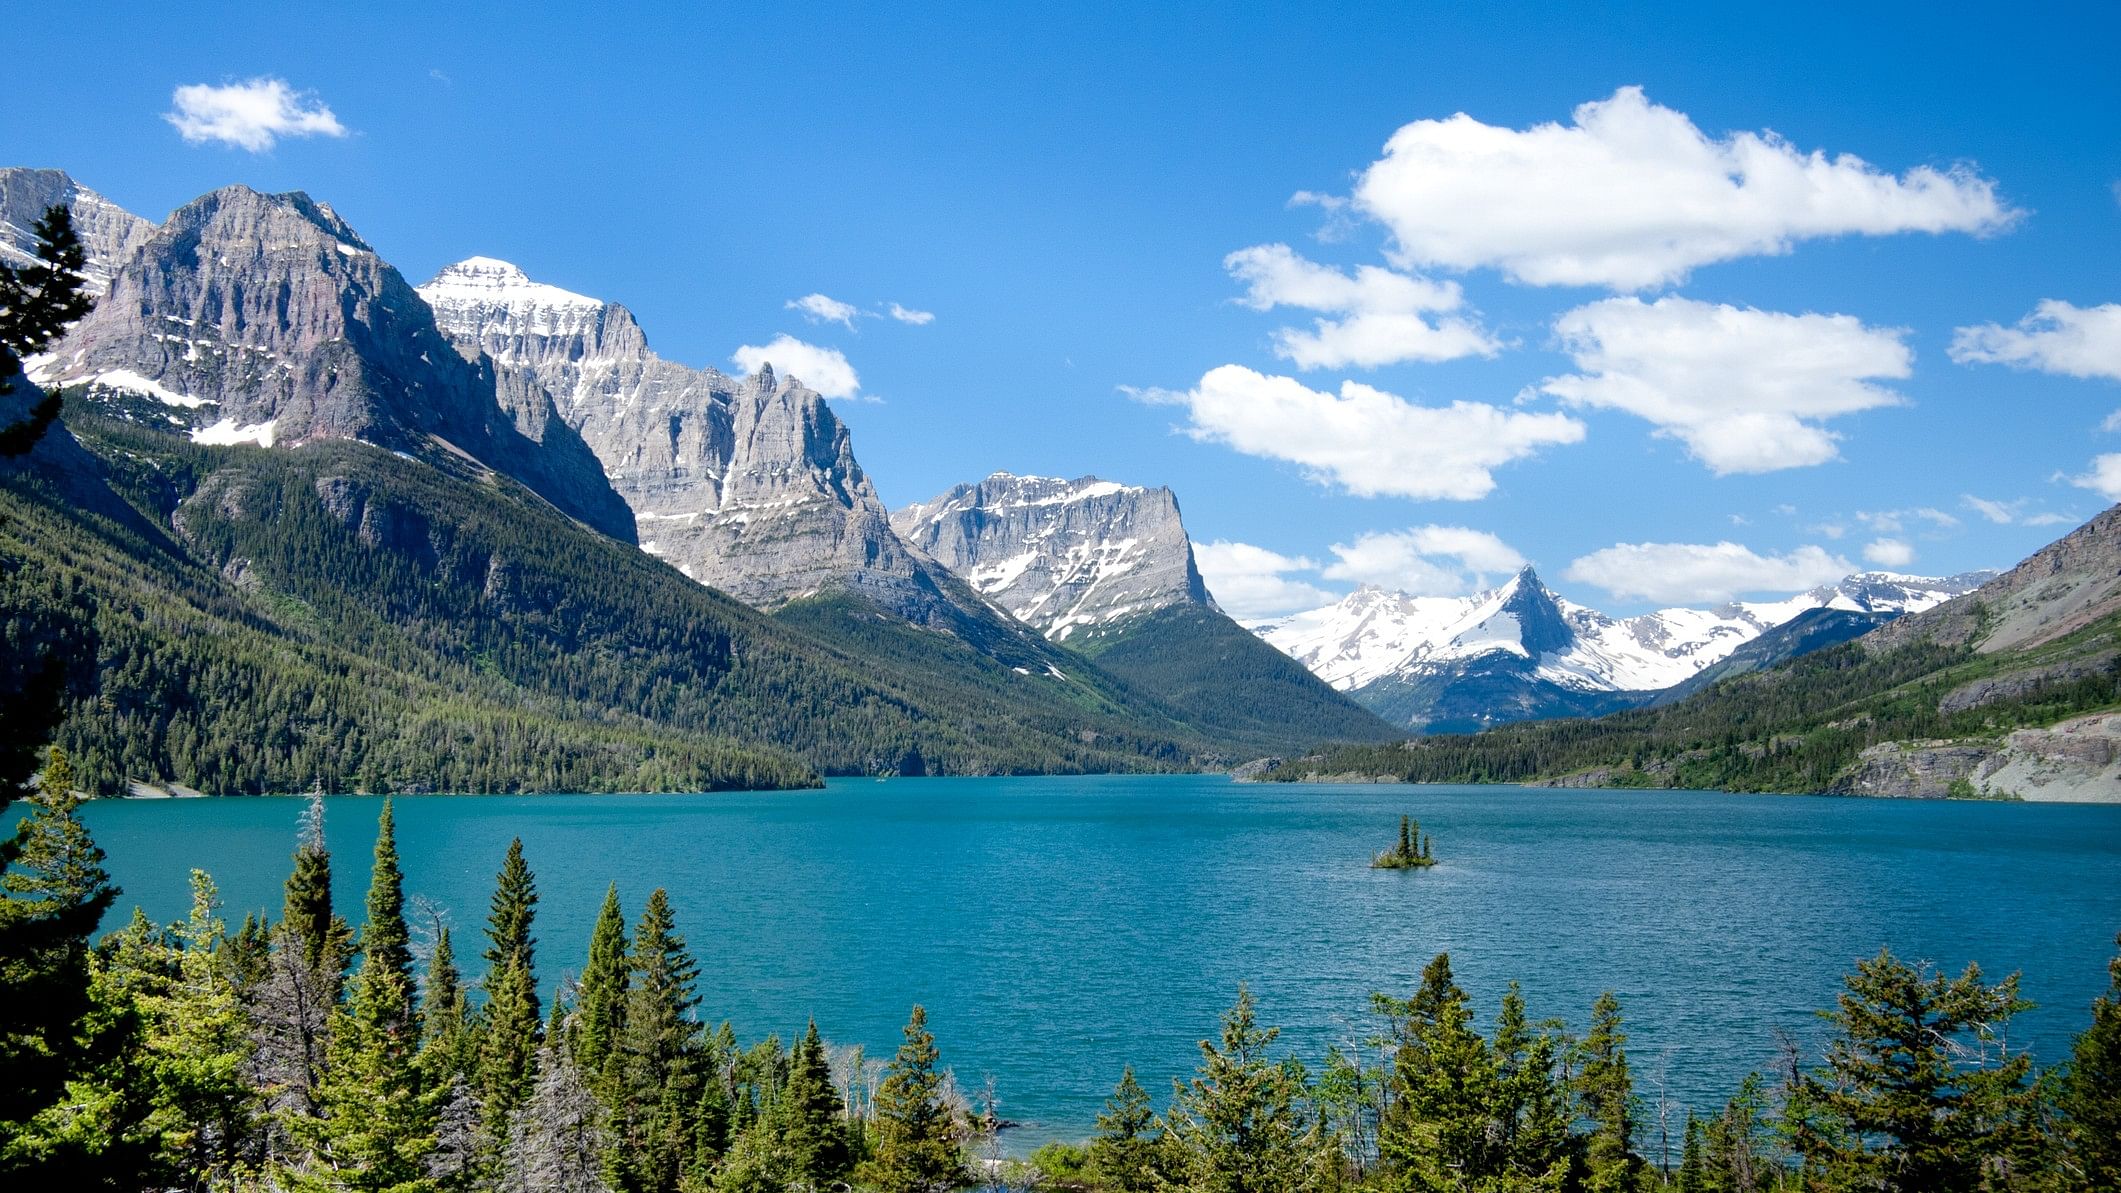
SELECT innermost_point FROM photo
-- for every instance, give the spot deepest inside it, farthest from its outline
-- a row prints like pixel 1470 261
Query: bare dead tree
pixel 556 1141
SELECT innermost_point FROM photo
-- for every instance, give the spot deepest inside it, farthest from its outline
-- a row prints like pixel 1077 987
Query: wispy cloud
pixel 251 115
pixel 906 314
pixel 819 309
pixel 1679 573
pixel 2056 338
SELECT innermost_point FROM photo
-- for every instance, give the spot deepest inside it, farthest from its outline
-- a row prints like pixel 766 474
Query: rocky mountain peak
pixel 265 318
pixel 109 233
pixel 1061 555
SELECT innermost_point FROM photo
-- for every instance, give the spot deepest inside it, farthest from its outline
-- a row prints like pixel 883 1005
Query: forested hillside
pixel 338 615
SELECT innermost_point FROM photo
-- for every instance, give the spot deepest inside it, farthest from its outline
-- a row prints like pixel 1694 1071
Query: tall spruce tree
pixel 1606 1093
pixel 509 1029
pixel 600 999
pixel 445 1016
pixel 1123 1155
pixel 377 1115
pixel 918 1140
pixel 1442 1127
pixel 813 1119
pixel 655 1076
pixel 306 910
pixel 2090 1095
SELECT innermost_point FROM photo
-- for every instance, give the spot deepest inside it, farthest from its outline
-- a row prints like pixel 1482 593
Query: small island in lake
pixel 1413 852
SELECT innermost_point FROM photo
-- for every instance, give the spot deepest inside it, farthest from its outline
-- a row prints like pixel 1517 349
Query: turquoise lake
pixel 1057 928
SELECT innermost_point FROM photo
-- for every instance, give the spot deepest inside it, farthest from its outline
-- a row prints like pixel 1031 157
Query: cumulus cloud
pixel 251 115
pixel 2104 478
pixel 1252 582
pixel 1744 389
pixel 823 369
pixel 1382 315
pixel 1632 195
pixel 1365 440
pixel 1682 573
pixel 819 309
pixel 2056 338
pixel 1424 560
pixel 908 315
pixel 1889 553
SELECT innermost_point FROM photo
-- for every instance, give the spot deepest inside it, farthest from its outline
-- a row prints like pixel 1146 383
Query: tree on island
pixel 1414 851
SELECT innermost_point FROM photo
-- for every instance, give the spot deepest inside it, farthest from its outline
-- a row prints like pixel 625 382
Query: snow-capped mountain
pixel 108 232
pixel 1433 661
pixel 1061 555
pixel 746 484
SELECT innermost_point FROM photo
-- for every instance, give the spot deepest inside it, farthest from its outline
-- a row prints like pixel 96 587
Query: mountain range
pixel 258 392
pixel 1516 652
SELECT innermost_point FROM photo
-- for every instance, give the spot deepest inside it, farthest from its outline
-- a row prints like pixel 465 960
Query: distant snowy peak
pixel 1373 635
pixel 516 320
pixel 1060 555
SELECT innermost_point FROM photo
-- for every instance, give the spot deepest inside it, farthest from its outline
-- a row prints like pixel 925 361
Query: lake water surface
pixel 1057 928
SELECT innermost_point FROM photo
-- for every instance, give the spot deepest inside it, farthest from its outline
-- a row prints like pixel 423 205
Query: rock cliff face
pixel 108 232
pixel 2066 585
pixel 254 318
pixel 1061 555
pixel 746 484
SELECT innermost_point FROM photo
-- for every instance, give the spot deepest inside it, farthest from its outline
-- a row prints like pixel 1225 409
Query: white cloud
pixel 1897 521
pixel 2104 477
pixel 2002 513
pixel 823 369
pixel 1633 195
pixel 1252 582
pixel 2111 422
pixel 1744 389
pixel 909 315
pixel 2056 338
pixel 2049 518
pixel 1681 573
pixel 1382 313
pixel 819 309
pixel 1365 440
pixel 1425 560
pixel 1889 553
pixel 250 115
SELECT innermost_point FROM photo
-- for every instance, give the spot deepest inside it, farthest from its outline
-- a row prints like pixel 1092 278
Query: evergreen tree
pixel 1123 1156
pixel 1693 1163
pixel 918 1139
pixel 1916 1092
pixel 600 999
pixel 445 1016
pixel 1736 1156
pixel 1606 1092
pixel 509 1029
pixel 1240 1126
pixel 55 892
pixel 654 1080
pixel 1530 1106
pixel 812 1118
pixel 1442 1126
pixel 377 1117
pixel 38 302
pixel 325 937
pixel 2090 1094
pixel 197 1044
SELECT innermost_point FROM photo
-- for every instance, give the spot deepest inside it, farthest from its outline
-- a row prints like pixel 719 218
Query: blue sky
pixel 1631 315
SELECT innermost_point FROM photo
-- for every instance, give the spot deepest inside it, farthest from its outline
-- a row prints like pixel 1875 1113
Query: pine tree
pixel 1240 1125
pixel 509 1029
pixel 918 1138
pixel 1916 1092
pixel 1442 1126
pixel 812 1118
pixel 445 1016
pixel 601 998
pixel 1736 1156
pixel 377 1117
pixel 198 1049
pixel 325 937
pixel 55 893
pixel 654 1077
pixel 1606 1092
pixel 1123 1156
pixel 1693 1164
pixel 2090 1094
pixel 37 303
